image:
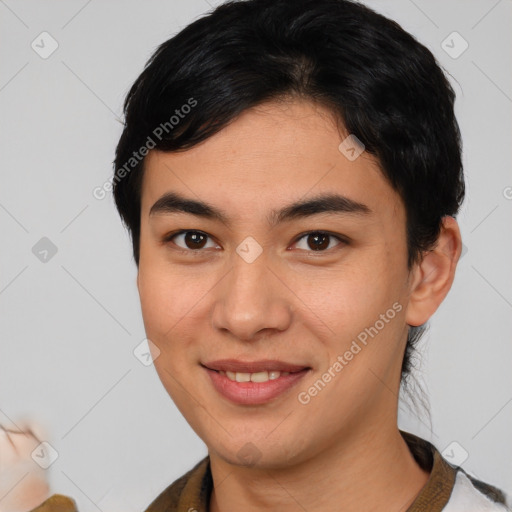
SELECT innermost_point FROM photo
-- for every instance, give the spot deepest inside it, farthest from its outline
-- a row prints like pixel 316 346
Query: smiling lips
pixel 233 365
pixel 252 383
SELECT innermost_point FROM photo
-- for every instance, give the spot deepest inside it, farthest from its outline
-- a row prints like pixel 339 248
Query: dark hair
pixel 379 82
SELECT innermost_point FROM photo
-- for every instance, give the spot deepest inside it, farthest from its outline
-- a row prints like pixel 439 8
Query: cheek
pixel 362 298
pixel 164 298
pixel 351 294
pixel 172 299
pixel 156 299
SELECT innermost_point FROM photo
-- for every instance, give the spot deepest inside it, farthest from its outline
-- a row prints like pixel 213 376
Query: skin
pixel 342 450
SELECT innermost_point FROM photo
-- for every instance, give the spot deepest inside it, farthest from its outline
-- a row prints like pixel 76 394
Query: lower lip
pixel 253 393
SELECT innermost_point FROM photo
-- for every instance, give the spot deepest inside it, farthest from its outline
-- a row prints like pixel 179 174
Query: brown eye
pixel 318 241
pixel 195 240
pixel 189 240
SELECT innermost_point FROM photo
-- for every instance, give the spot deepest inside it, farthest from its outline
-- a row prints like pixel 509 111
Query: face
pixel 244 276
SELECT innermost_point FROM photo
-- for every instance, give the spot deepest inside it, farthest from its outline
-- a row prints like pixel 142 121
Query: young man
pixel 290 172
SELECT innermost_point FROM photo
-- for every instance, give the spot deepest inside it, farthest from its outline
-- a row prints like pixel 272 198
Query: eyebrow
pixel 172 202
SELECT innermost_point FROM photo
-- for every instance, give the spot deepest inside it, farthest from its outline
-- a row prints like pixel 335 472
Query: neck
pixel 370 470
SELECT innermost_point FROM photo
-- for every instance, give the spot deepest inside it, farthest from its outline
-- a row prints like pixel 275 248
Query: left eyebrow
pixel 172 202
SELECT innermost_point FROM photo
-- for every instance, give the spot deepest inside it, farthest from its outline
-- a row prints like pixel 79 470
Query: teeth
pixel 242 377
pixel 253 377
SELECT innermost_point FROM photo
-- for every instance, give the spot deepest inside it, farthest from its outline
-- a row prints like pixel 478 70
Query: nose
pixel 252 301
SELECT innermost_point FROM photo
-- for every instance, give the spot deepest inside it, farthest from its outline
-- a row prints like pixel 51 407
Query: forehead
pixel 268 156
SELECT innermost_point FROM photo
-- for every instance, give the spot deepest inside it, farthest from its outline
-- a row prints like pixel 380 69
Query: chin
pixel 264 454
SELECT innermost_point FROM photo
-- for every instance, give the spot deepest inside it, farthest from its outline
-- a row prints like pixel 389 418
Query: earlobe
pixel 434 275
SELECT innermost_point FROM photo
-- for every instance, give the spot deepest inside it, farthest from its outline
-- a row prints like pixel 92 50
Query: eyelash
pixel 168 238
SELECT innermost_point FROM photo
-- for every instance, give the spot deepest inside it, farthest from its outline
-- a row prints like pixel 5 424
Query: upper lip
pixel 235 365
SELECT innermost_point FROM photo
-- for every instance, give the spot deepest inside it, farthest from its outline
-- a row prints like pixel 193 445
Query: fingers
pixel 23 483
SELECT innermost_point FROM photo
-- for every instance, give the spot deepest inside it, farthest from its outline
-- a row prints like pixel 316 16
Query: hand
pixel 23 484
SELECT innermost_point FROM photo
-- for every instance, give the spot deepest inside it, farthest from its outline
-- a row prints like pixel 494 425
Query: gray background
pixel 69 325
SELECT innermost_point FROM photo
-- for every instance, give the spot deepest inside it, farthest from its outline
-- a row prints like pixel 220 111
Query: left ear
pixel 434 275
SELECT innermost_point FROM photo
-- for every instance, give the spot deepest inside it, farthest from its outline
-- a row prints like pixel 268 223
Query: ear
pixel 432 278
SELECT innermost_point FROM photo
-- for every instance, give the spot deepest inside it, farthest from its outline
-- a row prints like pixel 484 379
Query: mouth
pixel 267 365
pixel 253 383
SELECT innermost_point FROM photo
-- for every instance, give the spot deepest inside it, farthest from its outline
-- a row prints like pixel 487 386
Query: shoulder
pixel 472 495
pixel 191 489
pixel 57 503
pixel 449 488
